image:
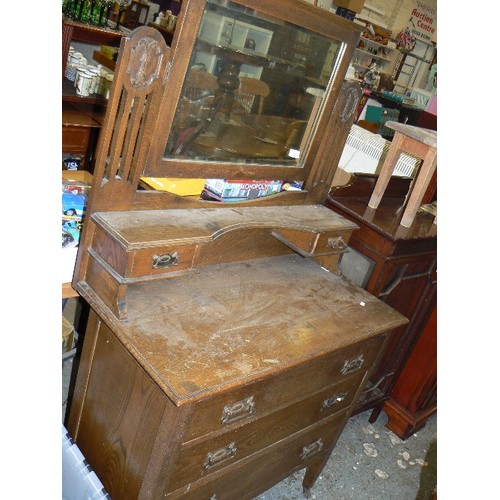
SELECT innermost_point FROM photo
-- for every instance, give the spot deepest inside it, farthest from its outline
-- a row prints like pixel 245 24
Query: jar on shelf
pixel 107 87
pixel 84 84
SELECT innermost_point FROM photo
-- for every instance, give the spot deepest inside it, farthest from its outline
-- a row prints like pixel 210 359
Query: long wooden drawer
pixel 204 456
pixel 259 471
pixel 286 388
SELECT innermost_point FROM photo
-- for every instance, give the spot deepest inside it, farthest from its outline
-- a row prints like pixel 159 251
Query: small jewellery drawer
pixel 161 260
pixel 332 242
pixel 138 262
pixel 267 395
pixel 204 456
pixel 309 244
pixel 262 468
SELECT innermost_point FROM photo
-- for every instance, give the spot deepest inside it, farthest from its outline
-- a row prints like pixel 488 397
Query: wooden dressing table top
pixel 232 322
pixel 153 227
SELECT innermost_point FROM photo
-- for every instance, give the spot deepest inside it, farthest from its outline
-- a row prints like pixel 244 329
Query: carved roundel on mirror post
pixel 145 63
pixel 351 100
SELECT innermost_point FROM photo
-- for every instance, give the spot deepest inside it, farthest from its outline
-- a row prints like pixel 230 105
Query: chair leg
pixel 386 171
pixel 422 181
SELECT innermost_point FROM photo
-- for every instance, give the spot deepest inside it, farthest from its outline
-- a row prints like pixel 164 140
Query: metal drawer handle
pixel 241 409
pixel 351 365
pixel 218 456
pixel 337 243
pixel 164 260
pixel 311 449
pixel 328 403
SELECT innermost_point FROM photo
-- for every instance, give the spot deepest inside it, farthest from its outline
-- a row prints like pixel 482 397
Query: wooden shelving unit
pixel 105 61
pixel 89 108
pixel 80 32
pixel 363 58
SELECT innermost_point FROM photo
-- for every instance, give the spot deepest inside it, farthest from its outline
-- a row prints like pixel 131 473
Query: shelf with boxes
pixel 369 51
pixel 73 31
pixel 375 50
pixel 83 106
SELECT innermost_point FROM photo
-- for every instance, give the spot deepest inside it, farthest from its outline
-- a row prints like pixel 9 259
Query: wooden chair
pixel 200 83
pixel 198 98
pixel 416 141
pixel 249 89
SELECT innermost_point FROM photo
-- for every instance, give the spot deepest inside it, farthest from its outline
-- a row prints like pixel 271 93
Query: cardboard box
pixel 77 175
pixel 176 185
pixel 354 5
pixel 240 190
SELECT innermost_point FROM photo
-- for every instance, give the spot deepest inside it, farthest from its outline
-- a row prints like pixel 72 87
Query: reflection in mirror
pixel 252 90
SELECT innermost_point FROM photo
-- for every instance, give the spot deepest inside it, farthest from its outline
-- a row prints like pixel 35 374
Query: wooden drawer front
pixel 332 242
pixel 309 244
pixel 260 471
pixel 162 260
pixel 75 140
pixel 200 459
pixel 143 262
pixel 266 395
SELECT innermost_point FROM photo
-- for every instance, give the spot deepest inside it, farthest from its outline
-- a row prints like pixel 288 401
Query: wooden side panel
pixel 107 286
pixel 84 368
pixel 414 396
pixel 120 415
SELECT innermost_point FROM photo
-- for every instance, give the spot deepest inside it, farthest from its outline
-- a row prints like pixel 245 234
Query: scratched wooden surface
pixel 229 322
pixel 137 228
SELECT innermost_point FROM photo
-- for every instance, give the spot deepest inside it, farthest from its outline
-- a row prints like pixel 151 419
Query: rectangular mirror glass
pixel 253 88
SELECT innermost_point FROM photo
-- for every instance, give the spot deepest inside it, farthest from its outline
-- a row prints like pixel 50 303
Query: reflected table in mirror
pixel 248 136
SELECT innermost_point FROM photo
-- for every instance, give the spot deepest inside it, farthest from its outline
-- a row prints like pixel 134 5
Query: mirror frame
pixel 296 12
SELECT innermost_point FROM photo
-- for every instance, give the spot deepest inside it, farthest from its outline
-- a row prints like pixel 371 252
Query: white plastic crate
pixel 79 481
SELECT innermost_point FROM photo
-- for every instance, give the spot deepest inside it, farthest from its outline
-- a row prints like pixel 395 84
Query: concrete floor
pixel 369 462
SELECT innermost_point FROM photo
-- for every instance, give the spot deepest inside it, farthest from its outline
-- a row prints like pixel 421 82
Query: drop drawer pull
pixel 218 456
pixel 328 403
pixel 338 244
pixel 240 409
pixel 351 365
pixel 164 260
pixel 311 449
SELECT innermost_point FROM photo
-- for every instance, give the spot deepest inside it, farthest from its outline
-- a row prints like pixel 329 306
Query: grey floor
pixel 369 462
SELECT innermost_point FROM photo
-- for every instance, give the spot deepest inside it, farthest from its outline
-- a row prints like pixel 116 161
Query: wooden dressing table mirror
pixel 223 350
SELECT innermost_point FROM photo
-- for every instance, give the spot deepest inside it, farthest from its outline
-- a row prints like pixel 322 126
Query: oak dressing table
pixel 223 350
